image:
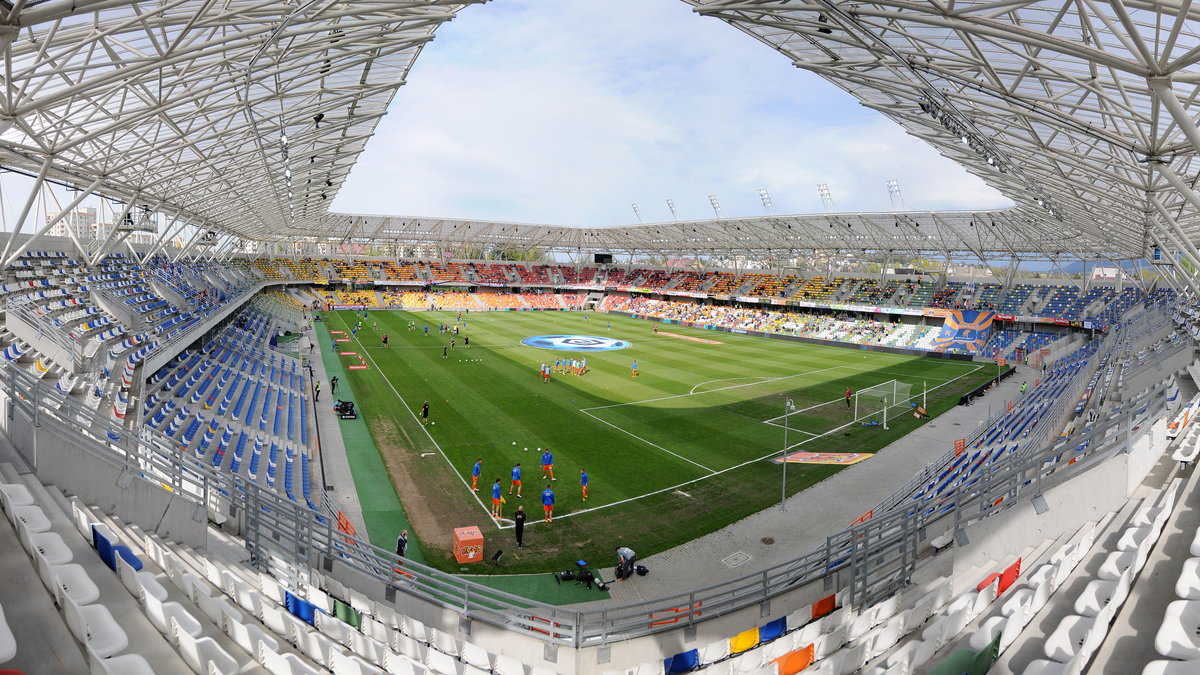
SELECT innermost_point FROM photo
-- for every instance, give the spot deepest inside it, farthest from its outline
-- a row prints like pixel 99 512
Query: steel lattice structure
pixel 1074 109
pixel 245 117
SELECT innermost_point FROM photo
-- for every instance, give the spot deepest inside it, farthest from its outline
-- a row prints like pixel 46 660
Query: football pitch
pixel 684 448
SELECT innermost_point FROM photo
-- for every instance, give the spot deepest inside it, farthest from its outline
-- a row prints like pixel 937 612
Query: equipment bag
pixel 642 571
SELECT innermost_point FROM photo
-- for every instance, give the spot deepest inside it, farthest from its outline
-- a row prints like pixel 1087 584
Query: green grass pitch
pixel 679 451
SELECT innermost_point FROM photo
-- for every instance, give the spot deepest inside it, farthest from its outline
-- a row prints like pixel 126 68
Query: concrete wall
pixel 1146 450
pixel 104 483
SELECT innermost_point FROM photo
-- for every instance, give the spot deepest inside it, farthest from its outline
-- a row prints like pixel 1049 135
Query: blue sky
pixel 568 111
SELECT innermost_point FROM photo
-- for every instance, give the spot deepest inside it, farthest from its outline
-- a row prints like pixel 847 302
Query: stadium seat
pixel 285 664
pixel 1044 667
pixel 747 639
pixel 1179 635
pixel 682 662
pixel 32 517
pixel 1073 637
pixel 794 661
pixel 14 494
pixel 1172 667
pixel 1100 593
pixel 163 614
pixel 8 643
pixel 1115 565
pixel 68 581
pixel 104 541
pixel 48 545
pixel 95 627
pixel 125 664
pixel 204 655
pixel 317 646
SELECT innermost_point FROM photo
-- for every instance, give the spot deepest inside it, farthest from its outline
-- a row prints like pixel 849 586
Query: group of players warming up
pixel 548 497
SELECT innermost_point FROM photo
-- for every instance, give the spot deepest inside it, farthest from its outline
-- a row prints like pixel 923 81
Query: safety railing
pixel 880 552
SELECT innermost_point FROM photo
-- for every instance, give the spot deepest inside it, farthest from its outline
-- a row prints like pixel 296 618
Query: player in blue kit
pixel 548 504
pixel 516 480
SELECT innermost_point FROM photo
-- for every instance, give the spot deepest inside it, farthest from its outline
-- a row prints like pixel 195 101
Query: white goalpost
pixel 882 401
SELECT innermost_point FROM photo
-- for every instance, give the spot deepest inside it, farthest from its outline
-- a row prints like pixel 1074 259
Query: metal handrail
pixel 290 530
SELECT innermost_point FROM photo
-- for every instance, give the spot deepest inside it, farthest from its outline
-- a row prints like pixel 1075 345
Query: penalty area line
pixel 774 453
pixel 727 379
pixel 655 445
pixel 733 386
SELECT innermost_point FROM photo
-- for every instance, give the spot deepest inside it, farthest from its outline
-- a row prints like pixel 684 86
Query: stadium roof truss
pixel 244 117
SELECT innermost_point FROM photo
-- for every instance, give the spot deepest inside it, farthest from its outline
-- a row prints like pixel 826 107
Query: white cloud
pixel 568 111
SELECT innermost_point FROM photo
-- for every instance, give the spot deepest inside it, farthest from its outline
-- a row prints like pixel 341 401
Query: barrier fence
pixel 880 552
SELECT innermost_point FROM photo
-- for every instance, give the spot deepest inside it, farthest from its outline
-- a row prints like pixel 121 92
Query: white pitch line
pixel 441 452
pixel 773 453
pixel 499 522
pixel 727 379
pixel 624 430
pixel 774 421
pixel 735 386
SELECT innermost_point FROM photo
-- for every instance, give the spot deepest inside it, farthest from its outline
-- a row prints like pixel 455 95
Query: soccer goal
pixel 882 401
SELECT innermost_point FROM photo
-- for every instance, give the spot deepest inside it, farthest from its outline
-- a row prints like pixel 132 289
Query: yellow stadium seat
pixel 743 641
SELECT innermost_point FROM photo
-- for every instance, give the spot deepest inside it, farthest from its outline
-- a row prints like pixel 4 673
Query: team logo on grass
pixel 575 343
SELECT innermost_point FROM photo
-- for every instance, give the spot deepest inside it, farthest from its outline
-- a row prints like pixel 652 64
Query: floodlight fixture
pixel 893 188
pixel 826 196
pixel 716 206
pixel 766 200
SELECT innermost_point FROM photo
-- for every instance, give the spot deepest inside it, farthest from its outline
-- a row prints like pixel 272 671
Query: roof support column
pixel 33 193
pixel 1162 88
pixel 1173 227
pixel 187 247
pixel 8 259
pixel 163 238
pixel 103 247
pixel 1167 237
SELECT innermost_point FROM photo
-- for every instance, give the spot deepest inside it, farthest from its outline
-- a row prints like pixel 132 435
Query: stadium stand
pixel 235 411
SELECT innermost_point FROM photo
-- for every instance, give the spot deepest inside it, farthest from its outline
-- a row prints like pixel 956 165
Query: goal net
pixel 883 401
